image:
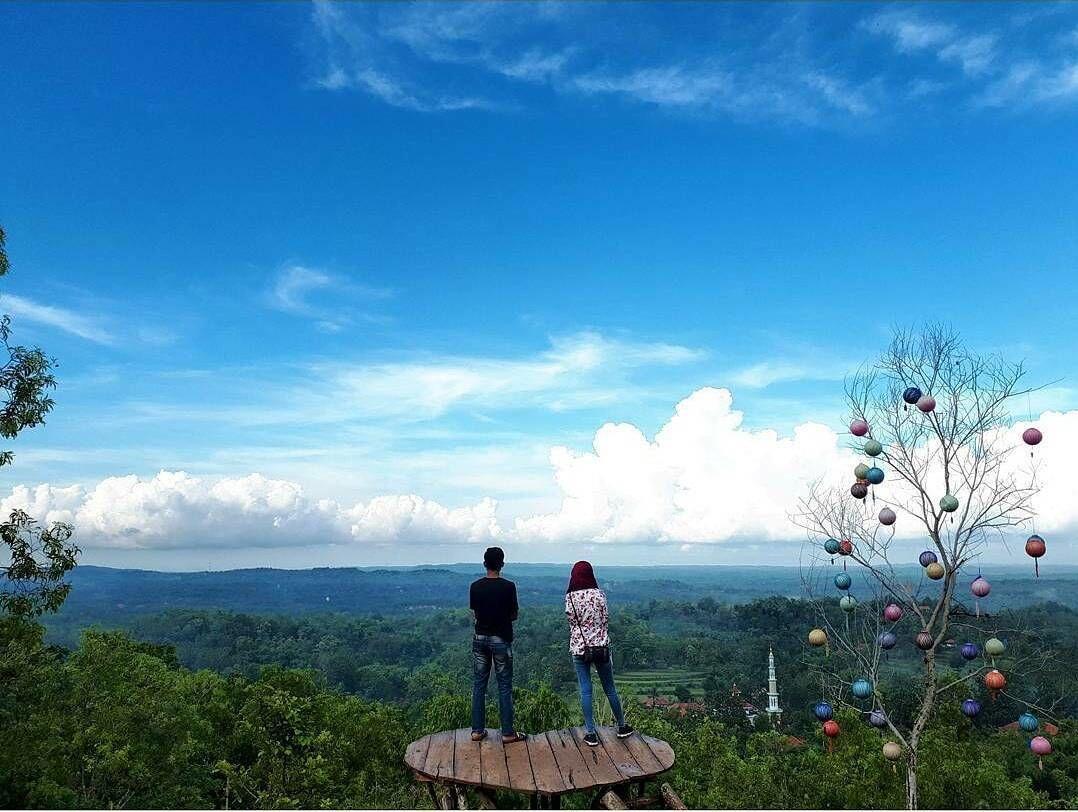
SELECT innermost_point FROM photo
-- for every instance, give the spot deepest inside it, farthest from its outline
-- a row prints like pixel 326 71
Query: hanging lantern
pixel 831 546
pixel 969 651
pixel 847 603
pixel 874 475
pixel 1041 747
pixel 935 571
pixel 823 711
pixel 893 612
pixel 911 396
pixel 873 448
pixel 877 718
pixel 1035 549
pixel 845 547
pixel 1028 722
pixel 830 730
pixel 926 403
pixel 843 580
pixel 971 707
pixel 892 751
pixel 994 647
pixel 927 557
pixel 861 688
pixel 924 641
pixel 860 471
pixel 980 589
pixel 887 517
pixel 887 640
pixel 1032 436
pixel 994 682
pixel 859 428
pixel 817 638
pixel 949 503
pixel 859 490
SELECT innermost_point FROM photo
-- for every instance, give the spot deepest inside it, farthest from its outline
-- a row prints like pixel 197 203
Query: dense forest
pixel 208 707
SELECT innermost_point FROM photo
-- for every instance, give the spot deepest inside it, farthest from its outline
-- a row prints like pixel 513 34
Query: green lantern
pixel 994 647
pixel 873 448
pixel 949 503
pixel 848 603
pixel 861 471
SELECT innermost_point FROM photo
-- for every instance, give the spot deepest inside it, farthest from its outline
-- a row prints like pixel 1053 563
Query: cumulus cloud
pixel 704 478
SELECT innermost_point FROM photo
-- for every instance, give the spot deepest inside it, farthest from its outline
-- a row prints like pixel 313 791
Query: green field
pixel 661 682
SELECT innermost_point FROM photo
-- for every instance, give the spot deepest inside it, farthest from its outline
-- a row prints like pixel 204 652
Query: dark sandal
pixel 516 737
pixel 478 735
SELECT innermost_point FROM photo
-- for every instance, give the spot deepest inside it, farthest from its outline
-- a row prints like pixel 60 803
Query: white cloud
pixel 703 479
pixel 69 321
pixel 296 287
pixel 909 32
pixel 1032 82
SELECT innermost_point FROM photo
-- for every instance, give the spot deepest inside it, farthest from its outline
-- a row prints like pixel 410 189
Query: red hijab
pixel 582 577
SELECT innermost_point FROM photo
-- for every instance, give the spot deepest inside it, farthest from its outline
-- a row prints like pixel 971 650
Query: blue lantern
pixel 927 557
pixel 831 545
pixel 971 707
pixel 970 651
pixel 912 395
pixel 823 711
pixel 874 475
pixel 1028 722
pixel 877 718
pixel 843 580
pixel 887 640
pixel 861 688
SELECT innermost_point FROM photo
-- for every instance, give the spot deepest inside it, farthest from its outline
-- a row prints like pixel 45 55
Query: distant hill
pixel 102 594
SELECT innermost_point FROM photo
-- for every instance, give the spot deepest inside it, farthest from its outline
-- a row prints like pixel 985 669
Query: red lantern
pixel 845 547
pixel 830 730
pixel 994 682
pixel 1035 548
pixel 1032 436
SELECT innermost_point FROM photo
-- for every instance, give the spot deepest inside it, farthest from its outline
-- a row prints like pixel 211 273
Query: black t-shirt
pixel 494 601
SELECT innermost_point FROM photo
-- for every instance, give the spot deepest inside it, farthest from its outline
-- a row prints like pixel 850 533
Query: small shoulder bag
pixel 599 655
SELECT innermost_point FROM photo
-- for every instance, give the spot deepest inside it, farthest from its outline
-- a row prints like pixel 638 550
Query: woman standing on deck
pixel 589 644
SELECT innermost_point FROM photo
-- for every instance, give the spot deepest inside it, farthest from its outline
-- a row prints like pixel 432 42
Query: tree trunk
pixel 911 777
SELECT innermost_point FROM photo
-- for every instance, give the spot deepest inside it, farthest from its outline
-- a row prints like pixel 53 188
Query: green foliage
pixel 38 560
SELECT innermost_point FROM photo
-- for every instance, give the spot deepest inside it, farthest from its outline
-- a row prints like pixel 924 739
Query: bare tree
pixel 950 470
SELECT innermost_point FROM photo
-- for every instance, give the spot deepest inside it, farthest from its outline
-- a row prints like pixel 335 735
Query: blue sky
pixel 376 251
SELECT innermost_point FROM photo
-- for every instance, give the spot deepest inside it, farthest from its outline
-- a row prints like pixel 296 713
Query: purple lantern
pixel 858 428
pixel 887 517
pixel 980 587
pixel 971 707
pixel 877 718
pixel 858 490
pixel 1032 436
pixel 927 557
pixel 969 651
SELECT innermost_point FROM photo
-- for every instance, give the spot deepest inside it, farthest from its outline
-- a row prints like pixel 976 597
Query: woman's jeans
pixel 487 649
pixel 606 677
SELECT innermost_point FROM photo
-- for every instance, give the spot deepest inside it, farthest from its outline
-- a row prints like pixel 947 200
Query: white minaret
pixel 773 709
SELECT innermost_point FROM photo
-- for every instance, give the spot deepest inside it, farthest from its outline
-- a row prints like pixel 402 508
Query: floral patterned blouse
pixel 588 625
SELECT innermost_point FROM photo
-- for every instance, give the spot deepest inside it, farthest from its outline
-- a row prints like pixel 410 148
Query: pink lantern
pixel 1032 436
pixel 893 612
pixel 859 428
pixel 980 589
pixel 926 403
pixel 1041 747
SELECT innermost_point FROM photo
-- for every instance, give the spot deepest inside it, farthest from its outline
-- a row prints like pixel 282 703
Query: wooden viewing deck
pixel 545 766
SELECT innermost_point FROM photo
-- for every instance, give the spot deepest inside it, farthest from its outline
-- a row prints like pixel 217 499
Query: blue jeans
pixel 606 677
pixel 487 649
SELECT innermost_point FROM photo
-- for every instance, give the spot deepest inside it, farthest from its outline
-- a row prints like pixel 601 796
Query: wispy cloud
pixel 78 324
pixel 296 289
pixel 766 373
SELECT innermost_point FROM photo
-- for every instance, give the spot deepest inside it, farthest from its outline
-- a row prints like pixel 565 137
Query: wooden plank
pixel 467 762
pixel 619 753
pixel 519 765
pixel 548 778
pixel 574 769
pixel 643 755
pixel 416 754
pixel 492 755
pixel 602 767
pixel 439 761
pixel 661 750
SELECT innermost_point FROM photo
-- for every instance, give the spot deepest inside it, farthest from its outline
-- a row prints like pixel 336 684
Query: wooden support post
pixel 434 799
pixel 611 800
pixel 460 800
pixel 671 798
pixel 485 801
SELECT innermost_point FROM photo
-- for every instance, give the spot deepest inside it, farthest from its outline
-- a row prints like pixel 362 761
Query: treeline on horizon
pixel 198 708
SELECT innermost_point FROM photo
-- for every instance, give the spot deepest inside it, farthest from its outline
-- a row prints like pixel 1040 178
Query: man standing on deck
pixel 494 606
